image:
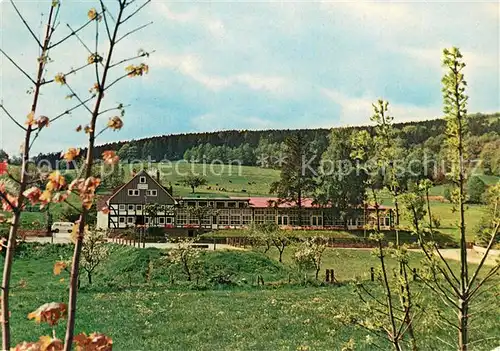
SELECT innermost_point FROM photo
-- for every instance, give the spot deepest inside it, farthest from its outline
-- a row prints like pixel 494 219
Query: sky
pixel 254 65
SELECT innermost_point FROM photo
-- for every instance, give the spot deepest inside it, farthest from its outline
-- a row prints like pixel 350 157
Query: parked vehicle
pixel 62 227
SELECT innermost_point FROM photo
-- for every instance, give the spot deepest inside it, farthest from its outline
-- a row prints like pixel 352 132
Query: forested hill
pixel 243 144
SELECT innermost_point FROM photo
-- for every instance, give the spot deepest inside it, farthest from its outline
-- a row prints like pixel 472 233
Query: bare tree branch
pixel 104 16
pixel 132 58
pixel 133 31
pixel 81 41
pixel 490 274
pixel 12 118
pixel 440 292
pixel 71 109
pixel 78 98
pixel 73 32
pixel 74 70
pixel 17 66
pixel 446 263
pixel 26 24
pixel 119 107
pixel 38 131
pixel 441 270
pixel 135 12
pixel 102 131
pixel 372 296
pixel 485 256
pixel 116 81
pixel 447 321
pixel 98 79
pixel 483 291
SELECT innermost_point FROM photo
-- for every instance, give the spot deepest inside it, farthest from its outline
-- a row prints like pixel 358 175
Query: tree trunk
pixel 89 276
pixel 463 338
pixel 73 290
pixel 192 189
pixel 281 255
pixel 11 243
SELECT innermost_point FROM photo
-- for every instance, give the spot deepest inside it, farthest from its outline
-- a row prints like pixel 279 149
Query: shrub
pixel 476 189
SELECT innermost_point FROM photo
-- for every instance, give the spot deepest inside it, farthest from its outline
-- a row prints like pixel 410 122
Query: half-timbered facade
pixel 127 209
pixel 127 205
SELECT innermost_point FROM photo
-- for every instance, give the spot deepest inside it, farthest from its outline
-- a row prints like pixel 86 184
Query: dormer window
pixel 142 180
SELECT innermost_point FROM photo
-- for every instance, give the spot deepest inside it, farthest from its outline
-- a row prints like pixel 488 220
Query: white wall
pixel 102 220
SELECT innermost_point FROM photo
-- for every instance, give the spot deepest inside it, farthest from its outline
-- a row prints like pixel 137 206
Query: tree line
pixel 263 148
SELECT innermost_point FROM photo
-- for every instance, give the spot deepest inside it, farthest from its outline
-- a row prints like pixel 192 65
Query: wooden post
pixel 415 275
pixel 332 276
pixel 144 242
pixel 372 274
pixel 327 275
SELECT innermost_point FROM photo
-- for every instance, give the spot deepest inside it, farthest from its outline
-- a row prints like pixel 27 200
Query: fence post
pixel 332 276
pixel 327 275
pixel 415 275
pixel 372 274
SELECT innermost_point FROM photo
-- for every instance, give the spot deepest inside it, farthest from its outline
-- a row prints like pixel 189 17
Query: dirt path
pixel 472 256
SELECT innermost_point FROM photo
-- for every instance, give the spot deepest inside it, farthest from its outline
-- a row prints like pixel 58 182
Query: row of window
pixel 217 204
pixel 241 219
pixel 136 192
pixel 130 207
pixel 158 220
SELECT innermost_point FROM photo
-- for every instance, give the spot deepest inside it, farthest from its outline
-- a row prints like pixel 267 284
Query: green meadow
pixel 145 304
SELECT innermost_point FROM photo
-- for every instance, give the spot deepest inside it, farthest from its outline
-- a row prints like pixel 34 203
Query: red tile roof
pixel 261 202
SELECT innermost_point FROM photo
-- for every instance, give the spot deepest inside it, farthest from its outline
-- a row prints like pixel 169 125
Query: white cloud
pixel 358 110
pixel 191 16
pixel 191 66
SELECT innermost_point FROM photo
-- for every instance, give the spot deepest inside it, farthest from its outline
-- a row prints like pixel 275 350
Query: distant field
pixel 236 180
pixel 490 179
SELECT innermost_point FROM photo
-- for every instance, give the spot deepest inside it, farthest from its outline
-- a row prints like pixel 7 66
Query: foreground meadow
pixel 144 305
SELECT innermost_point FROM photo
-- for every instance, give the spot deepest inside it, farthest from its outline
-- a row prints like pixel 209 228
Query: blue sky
pixel 259 65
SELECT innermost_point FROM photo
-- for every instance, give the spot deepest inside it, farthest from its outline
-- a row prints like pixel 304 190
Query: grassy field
pixel 137 306
pixel 236 180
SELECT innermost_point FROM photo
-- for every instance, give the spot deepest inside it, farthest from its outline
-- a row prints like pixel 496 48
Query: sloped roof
pixel 140 173
pixel 260 202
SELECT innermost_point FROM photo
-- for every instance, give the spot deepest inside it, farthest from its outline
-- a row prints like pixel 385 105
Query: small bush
pixel 476 189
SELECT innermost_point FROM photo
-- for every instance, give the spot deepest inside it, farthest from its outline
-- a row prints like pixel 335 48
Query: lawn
pixel 236 180
pixel 141 311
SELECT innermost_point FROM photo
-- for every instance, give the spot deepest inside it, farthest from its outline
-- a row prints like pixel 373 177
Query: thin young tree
pixel 382 149
pixel 458 291
pixel 56 189
pixel 104 80
pixel 94 252
pixel 32 126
